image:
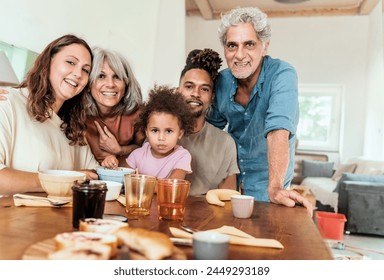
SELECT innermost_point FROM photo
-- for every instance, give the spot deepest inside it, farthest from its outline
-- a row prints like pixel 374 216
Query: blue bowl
pixel 115 175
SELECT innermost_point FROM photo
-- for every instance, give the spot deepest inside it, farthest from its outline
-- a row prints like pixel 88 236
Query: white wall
pixel 374 123
pixel 329 50
pixel 129 26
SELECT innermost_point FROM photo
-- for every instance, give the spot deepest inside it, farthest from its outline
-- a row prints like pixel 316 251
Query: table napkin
pixel 31 200
pixel 121 199
pixel 238 237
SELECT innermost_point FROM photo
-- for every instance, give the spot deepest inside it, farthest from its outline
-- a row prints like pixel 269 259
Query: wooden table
pixel 21 227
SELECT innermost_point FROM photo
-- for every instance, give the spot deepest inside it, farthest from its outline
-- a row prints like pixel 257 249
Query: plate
pixel 41 250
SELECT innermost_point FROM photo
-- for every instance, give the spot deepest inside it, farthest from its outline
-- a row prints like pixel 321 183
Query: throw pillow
pixel 315 168
pixel 350 168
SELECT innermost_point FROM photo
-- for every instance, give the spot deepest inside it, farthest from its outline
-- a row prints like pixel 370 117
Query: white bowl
pixel 115 175
pixel 58 183
pixel 114 188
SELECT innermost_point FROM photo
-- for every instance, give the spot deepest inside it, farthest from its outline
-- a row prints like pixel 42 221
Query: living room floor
pixel 357 247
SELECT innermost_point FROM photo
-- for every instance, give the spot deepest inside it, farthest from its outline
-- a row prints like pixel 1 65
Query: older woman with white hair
pixel 112 107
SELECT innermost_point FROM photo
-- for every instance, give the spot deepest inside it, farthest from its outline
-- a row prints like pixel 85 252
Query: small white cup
pixel 210 245
pixel 242 205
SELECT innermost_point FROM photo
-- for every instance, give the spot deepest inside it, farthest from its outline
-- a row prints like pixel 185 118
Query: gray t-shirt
pixel 213 158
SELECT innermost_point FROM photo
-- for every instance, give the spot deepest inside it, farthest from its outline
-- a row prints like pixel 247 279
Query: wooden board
pixel 41 250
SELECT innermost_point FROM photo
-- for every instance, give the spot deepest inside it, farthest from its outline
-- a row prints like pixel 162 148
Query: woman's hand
pixel 110 162
pixel 90 174
pixel 107 141
pixel 2 94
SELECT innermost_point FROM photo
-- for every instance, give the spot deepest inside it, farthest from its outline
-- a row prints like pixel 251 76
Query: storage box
pixel 365 208
pixel 331 225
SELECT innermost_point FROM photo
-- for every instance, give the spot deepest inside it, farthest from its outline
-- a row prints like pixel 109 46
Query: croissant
pixel 217 196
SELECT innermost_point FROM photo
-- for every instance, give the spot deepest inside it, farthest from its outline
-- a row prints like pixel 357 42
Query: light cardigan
pixel 29 145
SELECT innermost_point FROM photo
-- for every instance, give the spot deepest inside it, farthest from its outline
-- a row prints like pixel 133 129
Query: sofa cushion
pixel 313 168
pixel 366 166
pixel 350 168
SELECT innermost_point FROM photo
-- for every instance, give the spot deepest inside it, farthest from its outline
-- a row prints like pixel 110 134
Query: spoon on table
pixel 56 203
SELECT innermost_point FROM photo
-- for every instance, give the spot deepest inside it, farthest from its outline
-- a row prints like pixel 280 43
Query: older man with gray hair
pixel 257 99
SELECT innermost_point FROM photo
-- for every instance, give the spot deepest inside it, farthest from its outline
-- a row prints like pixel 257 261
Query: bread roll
pixel 217 196
pixel 152 244
pixel 73 239
pixel 82 251
pixel 101 225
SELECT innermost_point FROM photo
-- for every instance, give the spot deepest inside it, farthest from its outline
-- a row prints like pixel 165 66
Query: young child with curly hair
pixel 164 120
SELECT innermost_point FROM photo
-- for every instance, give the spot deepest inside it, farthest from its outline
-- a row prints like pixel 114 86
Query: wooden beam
pixel 205 9
pixel 314 12
pixel 367 6
pixel 295 13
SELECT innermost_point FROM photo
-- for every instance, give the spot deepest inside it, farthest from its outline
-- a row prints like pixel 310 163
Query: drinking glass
pixel 171 197
pixel 139 191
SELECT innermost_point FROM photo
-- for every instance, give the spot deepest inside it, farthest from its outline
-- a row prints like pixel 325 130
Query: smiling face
pixel 69 72
pixel 244 51
pixel 108 89
pixel 163 131
pixel 197 88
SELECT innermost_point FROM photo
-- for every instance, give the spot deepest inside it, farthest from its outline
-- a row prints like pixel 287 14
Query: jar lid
pixel 86 186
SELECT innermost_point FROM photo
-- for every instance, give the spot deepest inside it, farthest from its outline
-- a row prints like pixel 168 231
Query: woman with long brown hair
pixel 42 121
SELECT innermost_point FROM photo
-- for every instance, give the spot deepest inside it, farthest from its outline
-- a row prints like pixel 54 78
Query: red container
pixel 331 225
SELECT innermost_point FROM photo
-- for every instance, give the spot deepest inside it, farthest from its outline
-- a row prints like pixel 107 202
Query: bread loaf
pixel 73 239
pixel 82 251
pixel 152 244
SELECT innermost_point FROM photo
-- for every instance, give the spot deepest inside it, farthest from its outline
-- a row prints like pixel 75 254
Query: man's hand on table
pixel 289 198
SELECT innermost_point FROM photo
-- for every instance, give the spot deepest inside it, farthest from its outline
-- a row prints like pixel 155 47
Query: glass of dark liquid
pixel 88 200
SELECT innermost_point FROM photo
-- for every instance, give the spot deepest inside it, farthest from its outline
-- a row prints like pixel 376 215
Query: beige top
pixel 29 145
pixel 214 158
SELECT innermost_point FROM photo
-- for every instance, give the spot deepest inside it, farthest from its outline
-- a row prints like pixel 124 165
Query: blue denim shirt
pixel 273 105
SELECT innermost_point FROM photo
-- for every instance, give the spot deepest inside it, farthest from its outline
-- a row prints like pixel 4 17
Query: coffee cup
pixel 139 191
pixel 88 200
pixel 210 245
pixel 242 205
pixel 172 195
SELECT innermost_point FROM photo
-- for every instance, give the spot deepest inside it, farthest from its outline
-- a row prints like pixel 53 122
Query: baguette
pixel 152 244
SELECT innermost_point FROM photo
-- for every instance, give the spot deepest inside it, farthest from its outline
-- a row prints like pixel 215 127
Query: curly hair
pixel 41 94
pixel 132 99
pixel 206 59
pixel 253 15
pixel 164 99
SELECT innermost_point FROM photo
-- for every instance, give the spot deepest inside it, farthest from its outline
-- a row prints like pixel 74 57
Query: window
pixel 320 117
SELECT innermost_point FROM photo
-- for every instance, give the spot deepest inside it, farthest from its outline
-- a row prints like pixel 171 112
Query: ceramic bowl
pixel 114 188
pixel 58 183
pixel 115 175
